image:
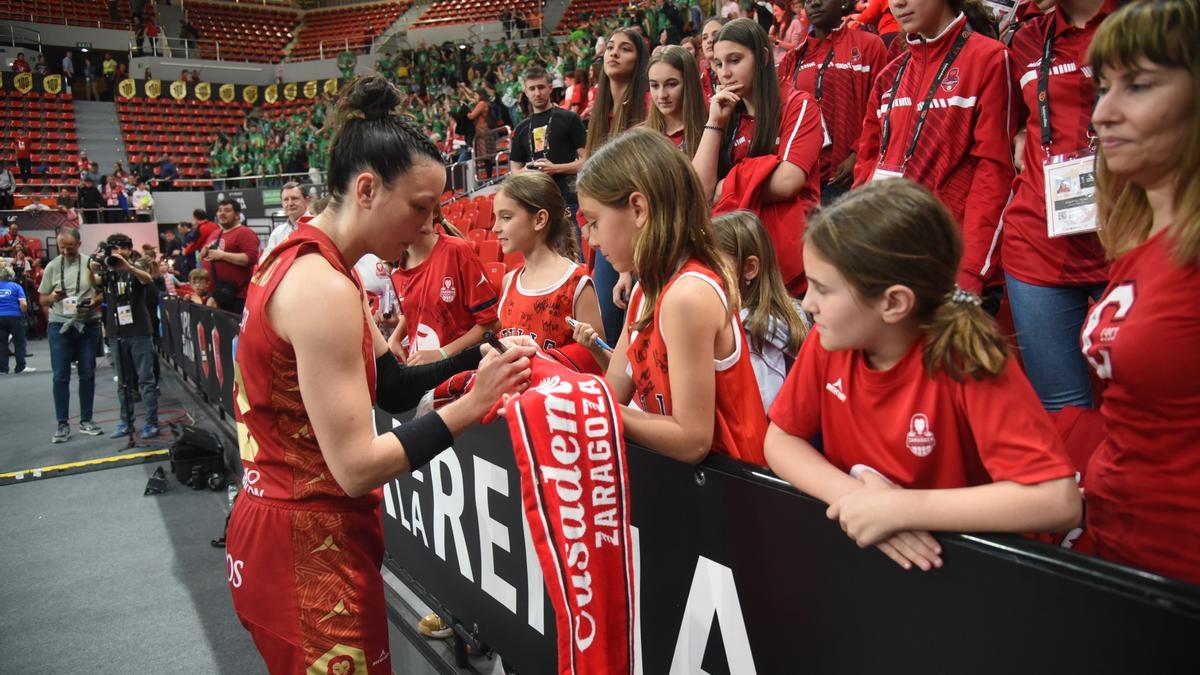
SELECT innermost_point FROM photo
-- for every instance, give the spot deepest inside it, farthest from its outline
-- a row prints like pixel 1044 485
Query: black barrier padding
pixel 725 545
pixel 809 598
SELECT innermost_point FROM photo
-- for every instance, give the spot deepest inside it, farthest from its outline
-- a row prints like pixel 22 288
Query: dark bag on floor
pixel 196 452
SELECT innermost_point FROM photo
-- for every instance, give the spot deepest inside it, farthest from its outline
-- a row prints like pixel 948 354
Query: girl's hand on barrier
pixel 913 547
pixel 870 514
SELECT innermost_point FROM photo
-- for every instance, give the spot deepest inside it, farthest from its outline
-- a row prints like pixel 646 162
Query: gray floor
pixel 98 578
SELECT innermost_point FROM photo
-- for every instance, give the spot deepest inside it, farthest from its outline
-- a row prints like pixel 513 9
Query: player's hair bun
pixel 369 98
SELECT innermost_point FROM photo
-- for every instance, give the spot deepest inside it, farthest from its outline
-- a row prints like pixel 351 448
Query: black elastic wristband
pixel 714 128
pixel 423 438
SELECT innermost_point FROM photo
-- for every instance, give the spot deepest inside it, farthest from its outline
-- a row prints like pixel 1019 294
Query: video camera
pixel 104 252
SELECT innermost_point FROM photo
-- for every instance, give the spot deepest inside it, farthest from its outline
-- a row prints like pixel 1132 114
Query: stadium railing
pixel 174 48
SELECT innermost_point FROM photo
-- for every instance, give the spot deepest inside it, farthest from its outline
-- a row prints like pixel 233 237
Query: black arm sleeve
pixel 399 388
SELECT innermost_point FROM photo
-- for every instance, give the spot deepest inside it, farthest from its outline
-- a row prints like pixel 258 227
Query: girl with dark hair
pixel 678 110
pixel 942 115
pixel 1143 337
pixel 926 423
pixel 760 148
pixel 708 36
pixel 622 99
pixel 538 296
pixel 838 65
pixel 305 544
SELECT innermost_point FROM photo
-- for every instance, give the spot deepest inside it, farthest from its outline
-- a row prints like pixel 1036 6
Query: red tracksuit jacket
pixel 964 154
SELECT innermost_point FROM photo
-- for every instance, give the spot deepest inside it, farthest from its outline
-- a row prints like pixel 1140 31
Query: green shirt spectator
pixel 346 61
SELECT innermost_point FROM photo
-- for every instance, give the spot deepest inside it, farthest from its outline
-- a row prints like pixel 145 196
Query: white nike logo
pixel 835 388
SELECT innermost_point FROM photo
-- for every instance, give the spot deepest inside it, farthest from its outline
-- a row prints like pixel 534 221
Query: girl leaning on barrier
pixel 305 542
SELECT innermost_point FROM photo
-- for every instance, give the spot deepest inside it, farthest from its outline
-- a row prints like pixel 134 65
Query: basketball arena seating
pixel 185 130
pixel 244 33
pixel 449 12
pixel 357 26
pixel 473 216
pixel 92 13
pixel 580 12
pixel 283 108
pixel 50 121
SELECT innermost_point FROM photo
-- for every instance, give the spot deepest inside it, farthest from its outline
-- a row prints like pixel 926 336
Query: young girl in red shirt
pixel 682 356
pixel 446 301
pixel 538 297
pixel 678 105
pixel 926 423
pixel 778 139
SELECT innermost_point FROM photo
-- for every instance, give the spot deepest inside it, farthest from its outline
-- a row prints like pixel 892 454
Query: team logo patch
pixel 919 439
pixel 855 55
pixel 951 80
pixel 341 665
pixel 447 293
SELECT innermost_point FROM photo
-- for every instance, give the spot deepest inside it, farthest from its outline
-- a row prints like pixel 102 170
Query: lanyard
pixel 820 70
pixel 924 111
pixel 712 82
pixel 62 278
pixel 1043 88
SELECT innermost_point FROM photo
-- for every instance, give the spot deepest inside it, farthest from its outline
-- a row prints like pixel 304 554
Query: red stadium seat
pixel 489 251
pixel 477 237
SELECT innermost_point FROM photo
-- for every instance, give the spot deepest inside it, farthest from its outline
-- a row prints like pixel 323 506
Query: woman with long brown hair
pixel 1143 336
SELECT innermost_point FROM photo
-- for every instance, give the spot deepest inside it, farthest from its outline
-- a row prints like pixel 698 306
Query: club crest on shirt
pixel 951 80
pixel 855 55
pixel 919 439
pixel 447 292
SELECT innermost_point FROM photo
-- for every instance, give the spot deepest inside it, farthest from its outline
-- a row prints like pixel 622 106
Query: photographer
pixel 229 256
pixel 70 291
pixel 127 322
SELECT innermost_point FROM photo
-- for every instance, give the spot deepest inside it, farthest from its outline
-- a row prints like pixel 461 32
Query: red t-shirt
pixel 206 228
pixel 24 145
pixel 799 141
pixel 240 239
pixel 444 296
pixel 1142 484
pixel 919 431
pixel 858 57
pixel 708 85
pixel 541 313
pixel 964 153
pixel 1029 253
pixel 739 423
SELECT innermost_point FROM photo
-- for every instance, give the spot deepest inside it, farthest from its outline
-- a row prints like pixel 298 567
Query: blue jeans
pixel 79 347
pixel 141 354
pixel 605 278
pixel 14 326
pixel 1048 320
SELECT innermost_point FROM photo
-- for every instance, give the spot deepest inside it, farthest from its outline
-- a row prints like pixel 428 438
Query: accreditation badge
pixel 887 172
pixel 1070 194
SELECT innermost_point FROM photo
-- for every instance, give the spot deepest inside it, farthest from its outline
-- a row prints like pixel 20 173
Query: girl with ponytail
pixel 941 114
pixel 538 297
pixel 926 423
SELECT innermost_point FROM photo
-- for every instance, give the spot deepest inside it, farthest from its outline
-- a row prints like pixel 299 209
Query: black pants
pixel 6 201
pixel 14 326
pixel 25 166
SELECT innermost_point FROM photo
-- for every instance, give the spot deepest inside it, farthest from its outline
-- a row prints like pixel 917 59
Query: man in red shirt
pixel 13 240
pixel 229 255
pixel 20 65
pixel 24 147
pixel 204 229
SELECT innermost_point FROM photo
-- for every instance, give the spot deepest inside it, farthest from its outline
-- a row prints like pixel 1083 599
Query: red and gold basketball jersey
pixel 739 423
pixel 279 450
pixel 542 313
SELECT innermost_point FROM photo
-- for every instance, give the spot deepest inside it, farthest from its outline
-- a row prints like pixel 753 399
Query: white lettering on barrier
pixel 490 477
pixel 713 592
pixel 448 508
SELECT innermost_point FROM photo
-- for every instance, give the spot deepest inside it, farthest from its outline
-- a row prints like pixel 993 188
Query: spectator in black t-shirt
pixel 551 140
pixel 90 201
